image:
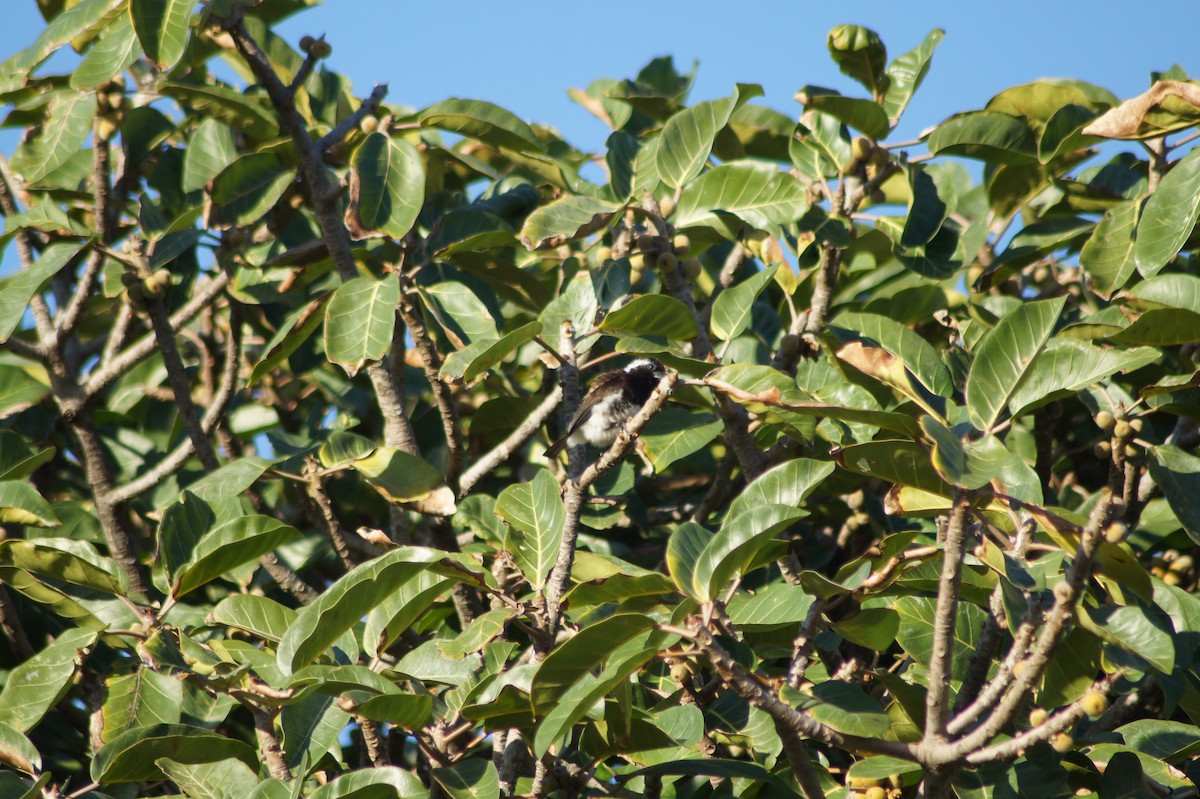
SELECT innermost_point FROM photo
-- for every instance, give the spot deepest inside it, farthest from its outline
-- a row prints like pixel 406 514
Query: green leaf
pixel 842 706
pixel 250 186
pixel 131 756
pixel 683 550
pixel 61 138
pixel 63 559
pixel 258 615
pixel 22 755
pixel 141 699
pixel 735 547
pixel 653 315
pixel 20 503
pixel 906 74
pixel 1133 629
pixel 915 635
pixel 407 711
pixel 68 24
pixel 17 460
pixel 820 147
pixel 19 388
pixel 986 135
pixel 1163 327
pixel 480 631
pixel 319 625
pixel 1171 291
pixel 674 434
pixel 535 515
pixel 385 782
pixel 715 767
pixel 399 476
pixel 481 356
pixel 221 779
pixel 229 481
pixel 1066 366
pixel 758 194
pixel 1169 216
pixel 578 655
pixel 1168 741
pixel 951 459
pixel 859 53
pixel 1177 473
pixel 901 462
pixel 776 605
pixel 931 202
pixel 162 28
pixel 18 290
pixel 874 628
pixel 484 121
pixel 474 778
pixel 209 150
pixel 227 547
pixel 360 320
pixel 864 115
pixel 387 187
pixel 249 114
pixel 1004 356
pixel 1108 254
pixel 115 50
pixel 731 311
pixel 36 685
pixel 463 315
pixel 786 484
pixel 687 139
pixel 917 354
pixel 291 335
pixel 402 608
pixel 565 220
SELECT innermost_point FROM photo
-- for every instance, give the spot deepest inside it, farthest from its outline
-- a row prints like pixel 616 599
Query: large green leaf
pixel 683 550
pixel 687 139
pixel 480 356
pixel 1004 356
pixel 20 503
pixel 141 699
pixel 906 73
pixel 1140 633
pixel 786 484
pixel 18 290
pixel 986 135
pixel 901 462
pixel 229 546
pixel 653 315
pixel 842 706
pixel 758 194
pixel 387 187
pixel 915 635
pixel 731 311
pixel 1177 473
pixel 63 559
pixel 60 139
pixel 675 434
pixel 855 112
pixel 565 220
pixel 115 50
pixel 249 114
pixel 918 355
pixel 859 53
pixel 1171 291
pixel 487 122
pixel 258 615
pixel 20 388
pixel 388 782
pixel 221 779
pixel 535 515
pixel 1067 366
pixel 210 149
pixel 250 186
pixel 736 546
pixel 472 778
pixel 22 755
pixel 319 625
pixel 820 147
pixel 360 320
pixel 162 28
pixel 578 655
pixel 1108 255
pixel 36 685
pixel 132 755
pixel 399 476
pixel 1169 216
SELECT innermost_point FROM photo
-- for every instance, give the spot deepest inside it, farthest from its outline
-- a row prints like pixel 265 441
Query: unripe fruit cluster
pixel 110 111
pixel 665 255
pixel 317 48
pixel 139 289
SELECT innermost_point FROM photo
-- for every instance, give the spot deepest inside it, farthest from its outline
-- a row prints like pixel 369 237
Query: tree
pixel 280 365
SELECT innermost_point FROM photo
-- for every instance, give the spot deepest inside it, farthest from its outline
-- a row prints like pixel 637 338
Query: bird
pixel 612 399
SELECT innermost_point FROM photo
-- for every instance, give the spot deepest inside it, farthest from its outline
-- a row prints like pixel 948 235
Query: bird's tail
pixel 555 448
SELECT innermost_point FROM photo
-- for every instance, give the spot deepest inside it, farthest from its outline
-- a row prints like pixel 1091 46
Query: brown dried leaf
pixel 1178 100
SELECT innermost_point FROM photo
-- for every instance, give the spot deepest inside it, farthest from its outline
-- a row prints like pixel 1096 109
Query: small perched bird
pixel 613 398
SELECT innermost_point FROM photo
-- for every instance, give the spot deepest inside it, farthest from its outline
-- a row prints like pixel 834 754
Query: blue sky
pixel 524 55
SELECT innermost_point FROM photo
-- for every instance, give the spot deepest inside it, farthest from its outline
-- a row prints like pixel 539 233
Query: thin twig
pixel 504 450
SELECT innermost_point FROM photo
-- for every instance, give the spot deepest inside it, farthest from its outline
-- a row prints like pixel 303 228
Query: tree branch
pixel 937 699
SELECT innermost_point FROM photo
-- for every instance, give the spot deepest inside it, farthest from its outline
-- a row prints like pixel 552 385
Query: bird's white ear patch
pixel 639 363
